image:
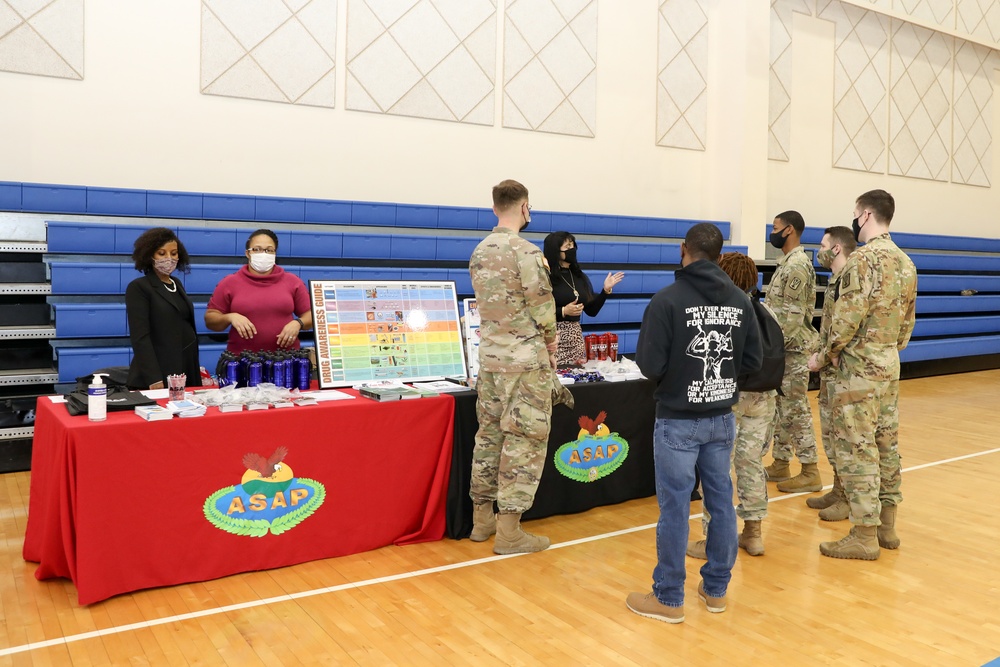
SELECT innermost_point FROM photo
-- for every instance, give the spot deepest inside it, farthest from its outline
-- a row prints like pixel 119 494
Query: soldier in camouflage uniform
pixel 871 321
pixel 516 358
pixel 837 245
pixel 791 295
pixel 754 414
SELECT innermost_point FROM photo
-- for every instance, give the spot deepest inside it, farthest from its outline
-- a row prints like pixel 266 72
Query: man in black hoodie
pixel 698 335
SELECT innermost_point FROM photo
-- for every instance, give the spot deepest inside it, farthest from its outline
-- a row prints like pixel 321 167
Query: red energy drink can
pixel 590 341
pixel 602 347
pixel 613 347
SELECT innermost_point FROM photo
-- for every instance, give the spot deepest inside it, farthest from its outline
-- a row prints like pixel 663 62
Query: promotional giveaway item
pixel 175 383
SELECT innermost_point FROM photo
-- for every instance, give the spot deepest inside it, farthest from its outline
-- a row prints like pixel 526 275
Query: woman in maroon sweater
pixel 264 306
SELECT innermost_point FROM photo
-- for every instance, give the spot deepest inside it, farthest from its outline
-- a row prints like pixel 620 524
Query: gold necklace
pixel 572 286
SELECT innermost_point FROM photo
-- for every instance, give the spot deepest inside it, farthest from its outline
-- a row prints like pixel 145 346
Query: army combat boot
pixel 828 498
pixel 484 522
pixel 511 538
pixel 860 544
pixel 751 540
pixel 778 471
pixel 697 549
pixel 840 509
pixel 887 537
pixel 807 480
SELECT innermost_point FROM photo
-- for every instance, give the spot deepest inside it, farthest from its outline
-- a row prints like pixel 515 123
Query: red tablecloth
pixel 118 506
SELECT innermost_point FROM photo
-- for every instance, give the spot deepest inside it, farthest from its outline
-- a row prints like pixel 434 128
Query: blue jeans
pixel 679 445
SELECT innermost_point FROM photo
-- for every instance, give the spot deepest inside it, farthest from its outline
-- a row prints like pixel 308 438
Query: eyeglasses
pixel 267 251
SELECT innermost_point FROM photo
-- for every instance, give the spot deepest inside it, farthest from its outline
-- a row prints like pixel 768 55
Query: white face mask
pixel 261 262
pixel 165 266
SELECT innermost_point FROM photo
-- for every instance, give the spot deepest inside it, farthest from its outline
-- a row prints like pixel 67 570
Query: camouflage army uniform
pixel 754 419
pixel 871 321
pixel 827 374
pixel 514 296
pixel 791 294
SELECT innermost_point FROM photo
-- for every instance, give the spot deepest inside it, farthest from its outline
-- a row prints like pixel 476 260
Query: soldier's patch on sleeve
pixel 849 282
pixel 795 284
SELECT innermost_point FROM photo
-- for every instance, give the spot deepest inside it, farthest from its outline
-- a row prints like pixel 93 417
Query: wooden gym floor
pixel 935 601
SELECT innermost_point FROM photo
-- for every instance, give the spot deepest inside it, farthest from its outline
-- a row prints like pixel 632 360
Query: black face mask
pixel 856 228
pixel 777 240
pixel 570 255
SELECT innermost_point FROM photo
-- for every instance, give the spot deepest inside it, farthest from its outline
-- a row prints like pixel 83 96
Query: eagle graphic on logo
pixel 596 452
pixel 268 499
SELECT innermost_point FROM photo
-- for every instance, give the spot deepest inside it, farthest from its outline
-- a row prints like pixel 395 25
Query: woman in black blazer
pixel 160 314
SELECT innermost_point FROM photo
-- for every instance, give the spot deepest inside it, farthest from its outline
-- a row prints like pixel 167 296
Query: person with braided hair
pixel 754 412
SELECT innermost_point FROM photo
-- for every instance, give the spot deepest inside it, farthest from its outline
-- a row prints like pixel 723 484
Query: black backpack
pixel 119 396
pixel 771 372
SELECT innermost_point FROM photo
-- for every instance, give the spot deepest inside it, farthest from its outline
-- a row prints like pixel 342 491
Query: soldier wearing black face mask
pixel 574 295
pixel 791 294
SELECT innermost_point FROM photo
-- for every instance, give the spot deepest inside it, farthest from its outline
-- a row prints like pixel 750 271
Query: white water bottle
pixel 97 399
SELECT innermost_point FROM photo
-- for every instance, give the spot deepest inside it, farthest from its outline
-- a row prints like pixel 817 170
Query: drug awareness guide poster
pixel 385 330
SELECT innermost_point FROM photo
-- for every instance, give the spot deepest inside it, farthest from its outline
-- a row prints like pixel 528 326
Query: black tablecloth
pixel 630 413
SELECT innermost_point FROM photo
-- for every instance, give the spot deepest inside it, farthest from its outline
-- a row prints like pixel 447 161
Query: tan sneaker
pixel 697 549
pixel 714 605
pixel 647 605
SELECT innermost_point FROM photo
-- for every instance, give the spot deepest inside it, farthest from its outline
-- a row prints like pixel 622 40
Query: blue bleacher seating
pixel 107 201
pixel 10 196
pixel 279 209
pixel 948 325
pixel 162 204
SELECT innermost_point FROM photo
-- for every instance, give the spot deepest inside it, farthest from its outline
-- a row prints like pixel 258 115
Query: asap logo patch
pixel 596 452
pixel 268 499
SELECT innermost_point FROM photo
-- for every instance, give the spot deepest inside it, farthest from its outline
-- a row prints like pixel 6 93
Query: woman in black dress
pixel 574 295
pixel 160 314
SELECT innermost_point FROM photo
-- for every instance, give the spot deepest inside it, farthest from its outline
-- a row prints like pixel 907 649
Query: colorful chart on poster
pixel 385 330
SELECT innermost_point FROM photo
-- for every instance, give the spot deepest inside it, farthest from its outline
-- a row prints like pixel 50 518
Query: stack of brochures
pixel 153 413
pixel 389 393
pixel 440 386
pixel 186 408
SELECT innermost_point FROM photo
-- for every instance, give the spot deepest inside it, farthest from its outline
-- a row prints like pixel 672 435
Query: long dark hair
pixel 553 246
pixel 152 240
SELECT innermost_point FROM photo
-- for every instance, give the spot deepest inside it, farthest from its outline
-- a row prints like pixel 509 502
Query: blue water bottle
pixel 233 372
pixel 220 368
pixel 254 369
pixel 289 372
pixel 278 368
pixel 267 363
pixel 302 368
pixel 244 369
